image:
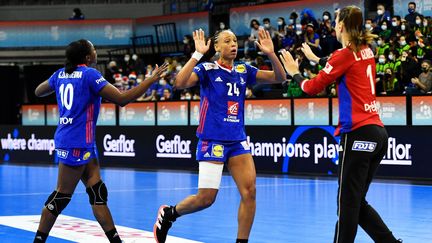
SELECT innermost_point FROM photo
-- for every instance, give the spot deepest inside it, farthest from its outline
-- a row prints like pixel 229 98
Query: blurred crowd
pixel 402 51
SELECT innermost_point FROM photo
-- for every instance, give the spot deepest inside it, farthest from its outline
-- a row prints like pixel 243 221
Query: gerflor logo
pixel 120 147
pixel 174 148
pixel 397 154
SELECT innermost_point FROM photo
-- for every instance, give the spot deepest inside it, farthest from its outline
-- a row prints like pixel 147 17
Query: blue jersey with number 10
pixel 79 101
pixel 222 100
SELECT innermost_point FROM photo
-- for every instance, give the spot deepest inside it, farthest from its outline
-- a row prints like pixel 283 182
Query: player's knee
pixel 98 194
pixel 248 193
pixel 206 200
pixel 56 202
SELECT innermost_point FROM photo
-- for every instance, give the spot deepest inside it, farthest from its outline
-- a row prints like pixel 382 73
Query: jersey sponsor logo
pixel 233 108
pixel 86 156
pixel 217 151
pixel 218 79
pixel 210 66
pixel 120 147
pixel 100 80
pixel 372 107
pixel 364 146
pixel 175 148
pixel 65 120
pixel 241 68
pixel 76 74
pixel 62 154
pixel 328 68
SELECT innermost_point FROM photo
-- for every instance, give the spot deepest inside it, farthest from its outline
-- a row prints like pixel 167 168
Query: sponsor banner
pixel 107 115
pixel 52 115
pixel 312 111
pixel 33 115
pixel 422 110
pixel 137 114
pixel 83 230
pixel 276 149
pixel 392 110
pixel 172 113
pixel 194 113
pixel 268 112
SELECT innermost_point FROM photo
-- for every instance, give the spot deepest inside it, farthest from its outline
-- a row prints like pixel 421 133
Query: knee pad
pixel 57 201
pixel 98 194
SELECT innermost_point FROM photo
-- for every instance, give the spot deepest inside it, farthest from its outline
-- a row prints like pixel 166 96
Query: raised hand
pixel 309 53
pixel 265 42
pixel 290 65
pixel 201 45
pixel 159 71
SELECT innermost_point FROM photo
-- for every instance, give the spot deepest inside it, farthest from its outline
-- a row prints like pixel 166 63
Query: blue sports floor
pixel 289 209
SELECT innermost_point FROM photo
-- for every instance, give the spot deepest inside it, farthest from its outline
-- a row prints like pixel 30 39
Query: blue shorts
pixel 75 157
pixel 213 150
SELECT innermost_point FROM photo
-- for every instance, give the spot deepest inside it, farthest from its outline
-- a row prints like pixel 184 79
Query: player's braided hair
pixel 214 39
pixel 76 53
pixel 352 18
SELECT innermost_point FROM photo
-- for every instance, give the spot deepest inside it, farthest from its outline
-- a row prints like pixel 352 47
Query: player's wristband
pixel 323 61
pixel 298 78
pixel 197 56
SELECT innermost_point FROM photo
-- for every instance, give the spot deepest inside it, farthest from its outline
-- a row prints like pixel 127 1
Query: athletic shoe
pixel 162 225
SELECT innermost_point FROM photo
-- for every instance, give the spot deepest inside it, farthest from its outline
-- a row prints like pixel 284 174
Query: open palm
pixel 265 43
pixel 201 45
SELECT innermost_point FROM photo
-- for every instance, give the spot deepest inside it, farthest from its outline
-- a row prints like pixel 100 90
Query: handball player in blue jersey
pixel 221 131
pixel 79 89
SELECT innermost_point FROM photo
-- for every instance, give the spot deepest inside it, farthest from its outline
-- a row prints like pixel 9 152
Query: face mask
pixel 425 23
pixel 126 58
pixel 267 26
pixel 291 21
pixel 325 17
pixel 411 10
pixel 394 23
pixel 298 32
pixel 403 27
pixel 384 27
pixel 139 80
pixel 425 70
pixel 381 60
pixel 222 26
pixel 403 43
pixel 178 68
pixel 380 12
pixel 418 21
pixel 280 23
pixel 305 74
pixel 162 82
pixel 188 97
pixel 390 57
pixel 379 42
pixel 312 63
pixel 388 75
pixel 185 41
pixel 403 59
pixel 368 26
pixel 134 57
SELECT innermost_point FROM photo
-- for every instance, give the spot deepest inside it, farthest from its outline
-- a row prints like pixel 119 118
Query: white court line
pixel 83 230
pixel 169 189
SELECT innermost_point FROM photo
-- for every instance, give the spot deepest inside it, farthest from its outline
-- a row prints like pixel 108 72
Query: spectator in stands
pixel 389 82
pixel 409 70
pixel 327 33
pixel 383 15
pixel 412 14
pixel 381 66
pixel 111 70
pixel 280 33
pixel 118 81
pixel 290 39
pixel 293 19
pixel 260 63
pixel 396 25
pixel 250 42
pixel 138 64
pixel 267 26
pixel 186 94
pixel 127 65
pixel 312 39
pixel 403 45
pixel 77 14
pixel 163 84
pixel 385 32
pixel 188 46
pixel 249 93
pixel 423 83
pixel 222 26
pixel 394 63
pixel 132 80
pixel 307 16
pixel 166 94
pixel 422 50
pixel 382 48
pixel 369 27
pixel 418 23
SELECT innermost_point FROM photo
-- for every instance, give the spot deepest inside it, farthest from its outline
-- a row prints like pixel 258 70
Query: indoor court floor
pixel 289 209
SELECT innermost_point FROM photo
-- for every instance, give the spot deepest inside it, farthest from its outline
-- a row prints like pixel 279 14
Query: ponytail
pixel 352 18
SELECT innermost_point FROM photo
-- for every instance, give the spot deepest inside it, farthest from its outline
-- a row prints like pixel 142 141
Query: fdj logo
pixel 62 154
pixel 233 108
pixel 364 146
